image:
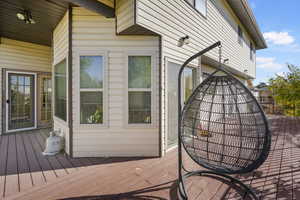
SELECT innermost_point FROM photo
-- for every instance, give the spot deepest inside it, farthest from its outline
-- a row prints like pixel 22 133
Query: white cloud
pixel 279 38
pixel 268 63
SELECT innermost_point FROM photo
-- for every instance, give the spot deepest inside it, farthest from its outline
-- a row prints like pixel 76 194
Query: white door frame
pixel 168 60
pixel 35 100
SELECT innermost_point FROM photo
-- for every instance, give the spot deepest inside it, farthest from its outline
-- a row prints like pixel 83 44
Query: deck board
pixel 3 157
pixel 45 166
pixel 139 178
pixel 38 177
pixel 25 178
pixel 12 175
pixel 58 168
pixel 26 168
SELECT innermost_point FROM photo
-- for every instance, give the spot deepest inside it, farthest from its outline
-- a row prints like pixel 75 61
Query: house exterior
pixel 114 68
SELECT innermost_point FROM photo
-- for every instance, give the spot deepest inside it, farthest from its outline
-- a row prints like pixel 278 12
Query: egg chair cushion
pixel 223 128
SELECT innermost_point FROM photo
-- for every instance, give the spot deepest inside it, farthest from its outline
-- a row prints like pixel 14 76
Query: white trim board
pixel 153 89
pixel 104 90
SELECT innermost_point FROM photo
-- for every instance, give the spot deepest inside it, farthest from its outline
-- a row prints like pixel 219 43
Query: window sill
pixel 60 120
pixel 137 126
pixel 93 126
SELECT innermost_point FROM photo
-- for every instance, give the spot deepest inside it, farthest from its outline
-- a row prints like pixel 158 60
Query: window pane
pixel 192 2
pixel 46 100
pixel 139 107
pixel 240 34
pixel 139 71
pixel 201 6
pixel 91 107
pixel 91 71
pixel 251 51
pixel 189 75
pixel 60 91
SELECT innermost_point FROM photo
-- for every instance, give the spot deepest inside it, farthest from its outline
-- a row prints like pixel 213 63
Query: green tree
pixel 286 90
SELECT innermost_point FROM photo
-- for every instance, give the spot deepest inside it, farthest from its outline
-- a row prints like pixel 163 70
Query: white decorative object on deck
pixel 54 144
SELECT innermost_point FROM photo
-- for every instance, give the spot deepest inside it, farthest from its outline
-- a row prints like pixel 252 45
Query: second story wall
pixel 173 19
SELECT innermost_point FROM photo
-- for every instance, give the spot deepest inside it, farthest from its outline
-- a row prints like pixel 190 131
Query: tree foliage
pixel 286 90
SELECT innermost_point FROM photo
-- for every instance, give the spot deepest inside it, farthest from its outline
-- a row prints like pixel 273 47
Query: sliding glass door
pixel 188 83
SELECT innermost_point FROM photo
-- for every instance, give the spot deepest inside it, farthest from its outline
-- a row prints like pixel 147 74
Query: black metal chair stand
pixel 222 128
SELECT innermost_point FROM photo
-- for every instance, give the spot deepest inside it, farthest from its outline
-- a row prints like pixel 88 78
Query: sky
pixel 279 22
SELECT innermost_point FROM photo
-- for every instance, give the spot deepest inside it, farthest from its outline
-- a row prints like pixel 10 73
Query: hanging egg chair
pixel 222 127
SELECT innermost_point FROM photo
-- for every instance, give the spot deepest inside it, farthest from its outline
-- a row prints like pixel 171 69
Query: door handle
pixel 7 101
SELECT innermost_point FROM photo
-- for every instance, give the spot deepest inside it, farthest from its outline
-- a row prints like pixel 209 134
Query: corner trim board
pixel 70 79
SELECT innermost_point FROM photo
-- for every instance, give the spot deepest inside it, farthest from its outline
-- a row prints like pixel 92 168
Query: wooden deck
pixel 22 165
pixel 279 177
pixel 61 177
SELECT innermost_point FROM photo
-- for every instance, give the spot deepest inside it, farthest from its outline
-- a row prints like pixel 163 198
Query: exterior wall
pixel 175 19
pixel 19 55
pixel 211 69
pixel 94 33
pixel 125 14
pixel 60 52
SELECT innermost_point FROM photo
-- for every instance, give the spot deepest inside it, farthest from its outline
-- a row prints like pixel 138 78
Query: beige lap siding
pixel 124 14
pixel 26 56
pixel 174 19
pixel 94 33
pixel 60 52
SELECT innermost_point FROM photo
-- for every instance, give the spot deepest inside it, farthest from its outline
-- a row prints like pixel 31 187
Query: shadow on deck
pixel 21 159
pixel 144 179
pixel 279 176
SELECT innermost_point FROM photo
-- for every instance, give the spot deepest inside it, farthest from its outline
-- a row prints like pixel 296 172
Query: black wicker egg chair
pixel 222 128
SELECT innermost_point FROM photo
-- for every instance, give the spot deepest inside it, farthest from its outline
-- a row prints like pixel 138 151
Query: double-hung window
pixel 201 6
pixel 139 89
pixel 91 89
pixel 240 35
pixel 60 95
pixel 252 51
pixel 190 80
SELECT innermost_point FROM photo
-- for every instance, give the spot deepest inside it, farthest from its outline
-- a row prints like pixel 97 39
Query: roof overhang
pixel 95 6
pixel 214 63
pixel 244 12
pixel 46 13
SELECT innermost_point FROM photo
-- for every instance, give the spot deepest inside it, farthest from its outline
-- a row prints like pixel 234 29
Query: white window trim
pixel 35 101
pixel 104 90
pixel 154 110
pixel 55 118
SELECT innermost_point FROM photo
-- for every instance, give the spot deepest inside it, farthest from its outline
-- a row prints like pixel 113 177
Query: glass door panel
pixel 188 82
pixel 173 70
pixel 46 97
pixel 20 101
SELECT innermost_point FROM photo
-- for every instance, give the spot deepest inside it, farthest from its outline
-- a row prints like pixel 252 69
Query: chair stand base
pixel 247 192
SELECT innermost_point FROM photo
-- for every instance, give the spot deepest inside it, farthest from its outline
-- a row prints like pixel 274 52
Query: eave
pixel 95 6
pixel 244 12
